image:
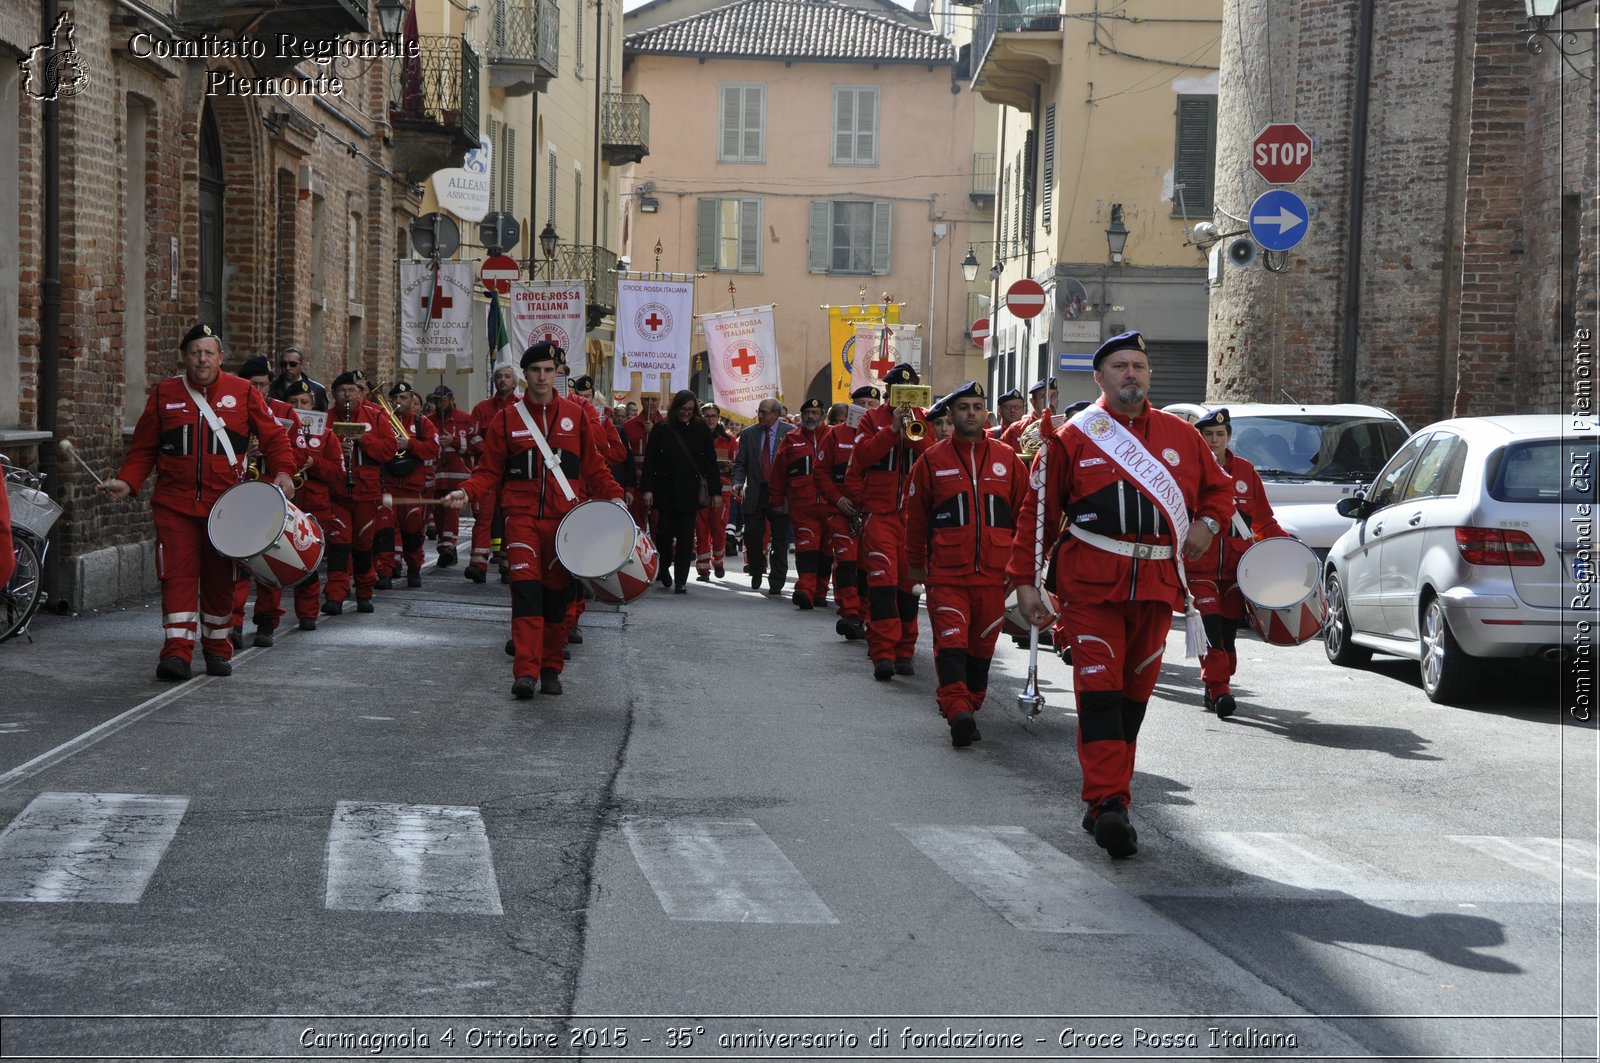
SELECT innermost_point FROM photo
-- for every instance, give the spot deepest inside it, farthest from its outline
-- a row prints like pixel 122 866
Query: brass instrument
pixel 912 396
pixel 348 430
pixel 402 437
pixel 252 464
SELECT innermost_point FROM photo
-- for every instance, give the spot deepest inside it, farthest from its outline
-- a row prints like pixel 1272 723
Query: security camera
pixel 1242 252
pixel 1204 235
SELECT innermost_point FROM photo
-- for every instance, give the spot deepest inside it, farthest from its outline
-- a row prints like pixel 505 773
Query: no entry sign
pixel 498 273
pixel 979 331
pixel 1025 298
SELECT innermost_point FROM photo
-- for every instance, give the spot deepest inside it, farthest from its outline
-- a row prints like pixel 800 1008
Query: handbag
pixel 703 497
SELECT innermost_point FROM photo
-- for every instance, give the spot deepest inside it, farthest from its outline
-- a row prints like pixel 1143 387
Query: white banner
pixel 464 190
pixel 436 323
pixel 869 366
pixel 553 311
pixel 654 322
pixel 742 351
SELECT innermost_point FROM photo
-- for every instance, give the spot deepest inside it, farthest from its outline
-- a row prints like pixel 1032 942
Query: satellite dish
pixel 435 235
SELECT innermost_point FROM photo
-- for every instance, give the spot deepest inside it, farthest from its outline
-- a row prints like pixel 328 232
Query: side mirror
pixel 1351 506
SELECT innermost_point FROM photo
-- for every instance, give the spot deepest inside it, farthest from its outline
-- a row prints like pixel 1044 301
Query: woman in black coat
pixel 678 460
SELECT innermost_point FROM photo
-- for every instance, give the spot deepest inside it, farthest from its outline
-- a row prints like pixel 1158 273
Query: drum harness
pixel 551 462
pixel 218 430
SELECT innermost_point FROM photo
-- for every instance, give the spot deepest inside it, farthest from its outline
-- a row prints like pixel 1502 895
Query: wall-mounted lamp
pixel 969 265
pixel 1564 39
pixel 1116 233
pixel 391 18
pixel 649 204
pixel 304 183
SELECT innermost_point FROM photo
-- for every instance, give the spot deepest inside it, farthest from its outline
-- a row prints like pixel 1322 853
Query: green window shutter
pixel 882 211
pixel 732 109
pixel 705 230
pixel 866 153
pixel 508 169
pixel 1047 184
pixel 844 124
pixel 1195 156
pixel 821 222
pixel 750 236
pixel 755 113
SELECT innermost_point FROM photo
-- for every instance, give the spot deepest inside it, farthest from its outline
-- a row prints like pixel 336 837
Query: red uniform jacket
pixel 881 465
pixel 726 444
pixel 173 438
pixel 482 414
pixel 635 431
pixel 422 451
pixel 1091 490
pixel 1221 559
pixel 616 451
pixel 326 473
pixel 1011 434
pixel 513 466
pixel 371 449
pixel 455 436
pixel 793 473
pixel 961 510
pixel 837 444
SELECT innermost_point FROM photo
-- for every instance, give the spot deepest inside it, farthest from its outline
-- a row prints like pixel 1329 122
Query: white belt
pixel 1143 551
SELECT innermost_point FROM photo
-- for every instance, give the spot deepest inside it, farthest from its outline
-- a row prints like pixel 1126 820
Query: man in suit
pixel 752 469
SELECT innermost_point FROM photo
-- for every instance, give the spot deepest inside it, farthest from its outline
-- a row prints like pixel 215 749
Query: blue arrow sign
pixel 1278 219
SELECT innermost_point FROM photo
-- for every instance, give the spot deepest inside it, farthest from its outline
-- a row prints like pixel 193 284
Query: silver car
pixel 1475 542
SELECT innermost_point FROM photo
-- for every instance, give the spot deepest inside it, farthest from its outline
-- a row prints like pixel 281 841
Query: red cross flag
pixel 654 320
pixel 742 351
pixel 552 312
pixel 435 315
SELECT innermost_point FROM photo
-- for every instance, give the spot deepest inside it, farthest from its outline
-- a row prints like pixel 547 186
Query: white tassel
pixel 1194 630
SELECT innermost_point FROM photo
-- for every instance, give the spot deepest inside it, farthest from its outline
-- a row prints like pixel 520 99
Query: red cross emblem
pixel 882 362
pixel 743 361
pixel 441 302
pixel 653 321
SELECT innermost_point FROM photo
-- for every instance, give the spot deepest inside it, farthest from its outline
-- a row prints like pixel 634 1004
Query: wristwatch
pixel 1211 522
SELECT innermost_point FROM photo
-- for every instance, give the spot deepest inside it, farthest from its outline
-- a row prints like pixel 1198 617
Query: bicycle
pixel 33 515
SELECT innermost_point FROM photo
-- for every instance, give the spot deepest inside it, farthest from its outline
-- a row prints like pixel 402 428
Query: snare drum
pixel 604 550
pixel 1015 625
pixel 279 543
pixel 1281 582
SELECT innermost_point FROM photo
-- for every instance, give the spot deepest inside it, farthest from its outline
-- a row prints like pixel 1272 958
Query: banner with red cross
pixel 742 351
pixel 879 349
pixel 436 316
pixel 654 321
pixel 551 312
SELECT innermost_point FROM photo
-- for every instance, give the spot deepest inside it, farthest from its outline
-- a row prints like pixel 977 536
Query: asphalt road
pixel 726 841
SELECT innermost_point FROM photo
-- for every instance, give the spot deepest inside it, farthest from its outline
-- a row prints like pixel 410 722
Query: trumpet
pixel 252 465
pixel 402 437
pixel 911 396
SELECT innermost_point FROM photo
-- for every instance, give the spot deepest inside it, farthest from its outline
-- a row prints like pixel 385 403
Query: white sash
pixel 1155 480
pixel 551 462
pixel 218 429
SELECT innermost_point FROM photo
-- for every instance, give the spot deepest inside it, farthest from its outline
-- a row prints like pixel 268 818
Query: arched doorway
pixel 821 387
pixel 213 193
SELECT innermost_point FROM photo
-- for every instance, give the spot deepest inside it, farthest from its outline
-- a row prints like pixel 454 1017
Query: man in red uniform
pixel 406 476
pixel 1010 406
pixel 355 502
pixel 1214 576
pixel 711 524
pixel 833 462
pixel 454 428
pixel 1128 478
pixel 635 431
pixel 794 491
pixel 879 471
pixel 269 600
pixel 483 514
pixel 192 433
pixel 534 500
pixel 1041 397
pixel 961 511
pixel 321 462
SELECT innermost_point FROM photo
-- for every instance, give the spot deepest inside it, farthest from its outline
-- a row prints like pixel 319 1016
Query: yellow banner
pixel 842 323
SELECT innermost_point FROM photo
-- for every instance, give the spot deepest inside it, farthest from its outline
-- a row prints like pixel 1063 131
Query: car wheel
pixel 1448 672
pixel 1336 630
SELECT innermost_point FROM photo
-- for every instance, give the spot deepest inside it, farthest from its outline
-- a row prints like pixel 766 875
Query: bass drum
pixel 606 552
pixel 278 542
pixel 1282 586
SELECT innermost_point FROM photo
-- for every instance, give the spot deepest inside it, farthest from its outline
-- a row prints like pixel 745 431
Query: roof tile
pixel 791 29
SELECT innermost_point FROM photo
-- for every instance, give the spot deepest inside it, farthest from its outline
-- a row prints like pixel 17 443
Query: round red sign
pixel 1025 298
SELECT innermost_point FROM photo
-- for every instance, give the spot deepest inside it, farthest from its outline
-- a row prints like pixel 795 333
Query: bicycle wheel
pixel 21 594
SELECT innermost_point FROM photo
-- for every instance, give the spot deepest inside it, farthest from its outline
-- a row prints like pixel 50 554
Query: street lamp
pixel 969 265
pixel 391 19
pixel 547 243
pixel 1565 39
pixel 1117 233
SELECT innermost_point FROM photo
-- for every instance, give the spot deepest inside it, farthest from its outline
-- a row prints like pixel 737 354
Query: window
pixel 550 212
pixel 728 235
pixel 1195 157
pixel 855 126
pixel 1438 470
pixel 1001 249
pixel 1047 182
pixel 577 59
pixel 354 259
pixel 577 202
pixel 850 236
pixel 505 159
pixel 319 229
pixel 1544 470
pixel 741 123
pixel 1019 192
pixel 1390 482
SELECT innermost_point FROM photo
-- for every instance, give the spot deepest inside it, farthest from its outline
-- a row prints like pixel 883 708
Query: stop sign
pixel 1281 153
pixel 498 272
pixel 979 331
pixel 1025 298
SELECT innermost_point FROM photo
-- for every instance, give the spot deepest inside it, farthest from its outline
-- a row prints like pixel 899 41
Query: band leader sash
pixel 551 462
pixel 218 429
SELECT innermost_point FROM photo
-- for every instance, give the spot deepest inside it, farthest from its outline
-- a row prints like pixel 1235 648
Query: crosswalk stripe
pixel 1570 862
pixel 721 870
pixel 410 858
pixel 1030 883
pixel 86 847
pixel 1294 860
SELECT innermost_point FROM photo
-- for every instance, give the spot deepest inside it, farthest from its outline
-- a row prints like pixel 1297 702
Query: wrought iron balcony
pixel 625 128
pixel 983 179
pixel 1014 46
pixel 524 45
pixel 597 268
pixel 433 105
pixel 308 22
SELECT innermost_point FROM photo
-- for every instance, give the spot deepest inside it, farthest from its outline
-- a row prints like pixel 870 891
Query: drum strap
pixel 551 462
pixel 218 429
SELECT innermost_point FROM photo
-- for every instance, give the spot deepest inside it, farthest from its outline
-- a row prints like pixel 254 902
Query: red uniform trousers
pixel 192 574
pixel 842 548
pixel 711 534
pixel 404 540
pixel 808 531
pixel 446 521
pixel 966 620
pixel 269 602
pixel 1116 659
pixel 891 607
pixel 485 539
pixel 539 589
pixel 352 525
pixel 1221 606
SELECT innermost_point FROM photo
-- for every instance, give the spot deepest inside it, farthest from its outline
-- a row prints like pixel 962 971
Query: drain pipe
pixel 1358 180
pixel 50 286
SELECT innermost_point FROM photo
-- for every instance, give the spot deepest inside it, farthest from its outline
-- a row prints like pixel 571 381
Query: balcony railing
pixel 625 128
pixel 983 178
pixel 1008 16
pixel 437 92
pixel 524 45
pixel 597 268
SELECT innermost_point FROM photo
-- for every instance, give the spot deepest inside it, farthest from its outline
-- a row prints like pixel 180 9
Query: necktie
pixel 766 455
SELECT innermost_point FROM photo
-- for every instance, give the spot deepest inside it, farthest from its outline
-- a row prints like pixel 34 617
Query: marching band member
pixel 407 474
pixel 636 432
pixel 1041 397
pixel 876 481
pixel 1011 405
pixel 355 503
pixel 961 509
pixel 833 461
pixel 454 429
pixel 1129 478
pixel 710 529
pixel 794 491
pixel 581 391
pixel 192 433
pixel 321 462
pixel 532 489
pixel 484 514
pixel 269 601
pixel 1216 572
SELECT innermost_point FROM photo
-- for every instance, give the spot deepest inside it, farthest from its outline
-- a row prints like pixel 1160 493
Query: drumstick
pixel 66 447
pixel 389 501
